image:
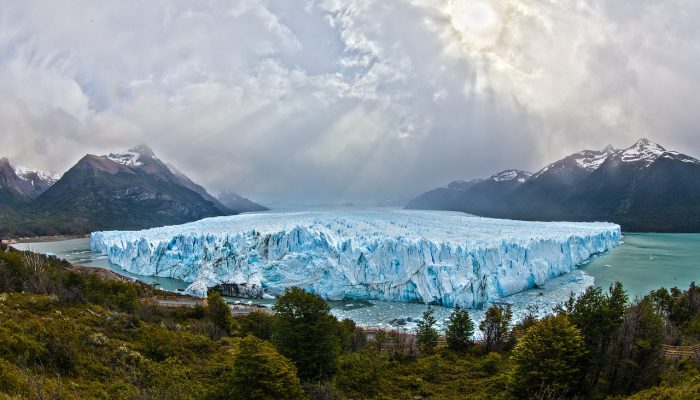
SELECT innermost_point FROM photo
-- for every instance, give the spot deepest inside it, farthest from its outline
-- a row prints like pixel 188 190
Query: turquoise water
pixel 647 261
pixel 77 251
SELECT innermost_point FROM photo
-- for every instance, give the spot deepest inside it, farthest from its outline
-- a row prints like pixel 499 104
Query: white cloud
pixel 351 99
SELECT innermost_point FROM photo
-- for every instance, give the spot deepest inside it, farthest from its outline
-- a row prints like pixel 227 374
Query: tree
pixel 259 372
pixel 634 359
pixel 546 358
pixel 598 316
pixel 352 337
pixel 257 324
pixel 305 332
pixel 426 335
pixel 686 304
pixel 495 327
pixel 460 329
pixel 528 320
pixel 362 373
pixel 218 311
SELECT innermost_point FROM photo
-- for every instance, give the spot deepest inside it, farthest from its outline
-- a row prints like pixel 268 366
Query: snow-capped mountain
pixel 132 189
pixel 129 190
pixel 586 160
pixel 644 151
pixel 25 183
pixel 643 187
pixel 37 179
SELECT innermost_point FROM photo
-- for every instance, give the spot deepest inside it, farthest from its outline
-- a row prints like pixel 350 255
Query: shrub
pixel 547 358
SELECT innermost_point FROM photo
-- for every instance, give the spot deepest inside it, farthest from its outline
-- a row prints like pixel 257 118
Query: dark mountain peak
pixel 134 157
pixel 5 165
pixel 646 144
pixel 585 161
pixel 8 177
pixel 110 164
pixel 511 175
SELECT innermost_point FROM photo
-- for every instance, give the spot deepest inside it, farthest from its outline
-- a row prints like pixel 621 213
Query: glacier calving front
pixel 412 256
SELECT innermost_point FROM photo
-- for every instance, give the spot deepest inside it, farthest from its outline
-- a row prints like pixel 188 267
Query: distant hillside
pixel 481 196
pixel 642 188
pixel 130 190
pixel 234 201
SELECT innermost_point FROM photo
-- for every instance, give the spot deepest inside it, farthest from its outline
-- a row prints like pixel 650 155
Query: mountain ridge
pixel 643 188
pixel 129 190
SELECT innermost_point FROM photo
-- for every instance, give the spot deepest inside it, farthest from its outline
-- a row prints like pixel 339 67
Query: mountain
pixel 130 190
pixel 18 186
pixel 480 197
pixel 10 197
pixel 24 183
pixel 643 188
pixel 238 203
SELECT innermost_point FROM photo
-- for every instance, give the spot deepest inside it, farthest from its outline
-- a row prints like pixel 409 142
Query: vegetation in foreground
pixel 69 334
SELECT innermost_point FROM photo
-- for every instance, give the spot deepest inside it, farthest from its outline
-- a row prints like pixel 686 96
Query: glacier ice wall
pixel 411 256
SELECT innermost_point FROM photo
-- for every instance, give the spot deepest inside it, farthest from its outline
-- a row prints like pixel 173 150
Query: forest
pixel 73 333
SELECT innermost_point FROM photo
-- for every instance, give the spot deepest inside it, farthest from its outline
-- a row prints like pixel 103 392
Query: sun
pixel 478 22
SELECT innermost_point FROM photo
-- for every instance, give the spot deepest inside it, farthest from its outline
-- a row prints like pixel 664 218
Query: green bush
pixel 11 381
pixel 260 373
pixel 361 374
pixel 547 358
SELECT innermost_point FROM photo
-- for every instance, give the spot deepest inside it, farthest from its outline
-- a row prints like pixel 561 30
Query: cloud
pixel 327 100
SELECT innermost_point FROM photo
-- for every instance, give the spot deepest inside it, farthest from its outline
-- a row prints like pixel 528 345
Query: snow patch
pixel 674 155
pixel 510 175
pixel 590 160
pixel 25 173
pixel 129 158
pixel 644 150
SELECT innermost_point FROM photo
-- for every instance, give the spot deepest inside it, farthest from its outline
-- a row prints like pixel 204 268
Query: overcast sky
pixel 335 100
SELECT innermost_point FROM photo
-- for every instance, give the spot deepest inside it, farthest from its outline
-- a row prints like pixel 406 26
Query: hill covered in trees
pixel 73 333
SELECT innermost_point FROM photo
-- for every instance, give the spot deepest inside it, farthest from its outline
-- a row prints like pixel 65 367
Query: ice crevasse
pixel 435 257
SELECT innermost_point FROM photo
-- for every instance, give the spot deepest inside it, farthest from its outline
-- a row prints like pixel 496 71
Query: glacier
pixel 433 257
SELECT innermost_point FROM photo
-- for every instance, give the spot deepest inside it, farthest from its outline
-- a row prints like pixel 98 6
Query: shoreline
pixel 42 239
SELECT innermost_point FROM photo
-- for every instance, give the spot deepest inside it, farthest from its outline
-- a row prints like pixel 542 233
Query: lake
pixel 647 261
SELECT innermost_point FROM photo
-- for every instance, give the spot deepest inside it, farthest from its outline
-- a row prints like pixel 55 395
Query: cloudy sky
pixel 332 100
